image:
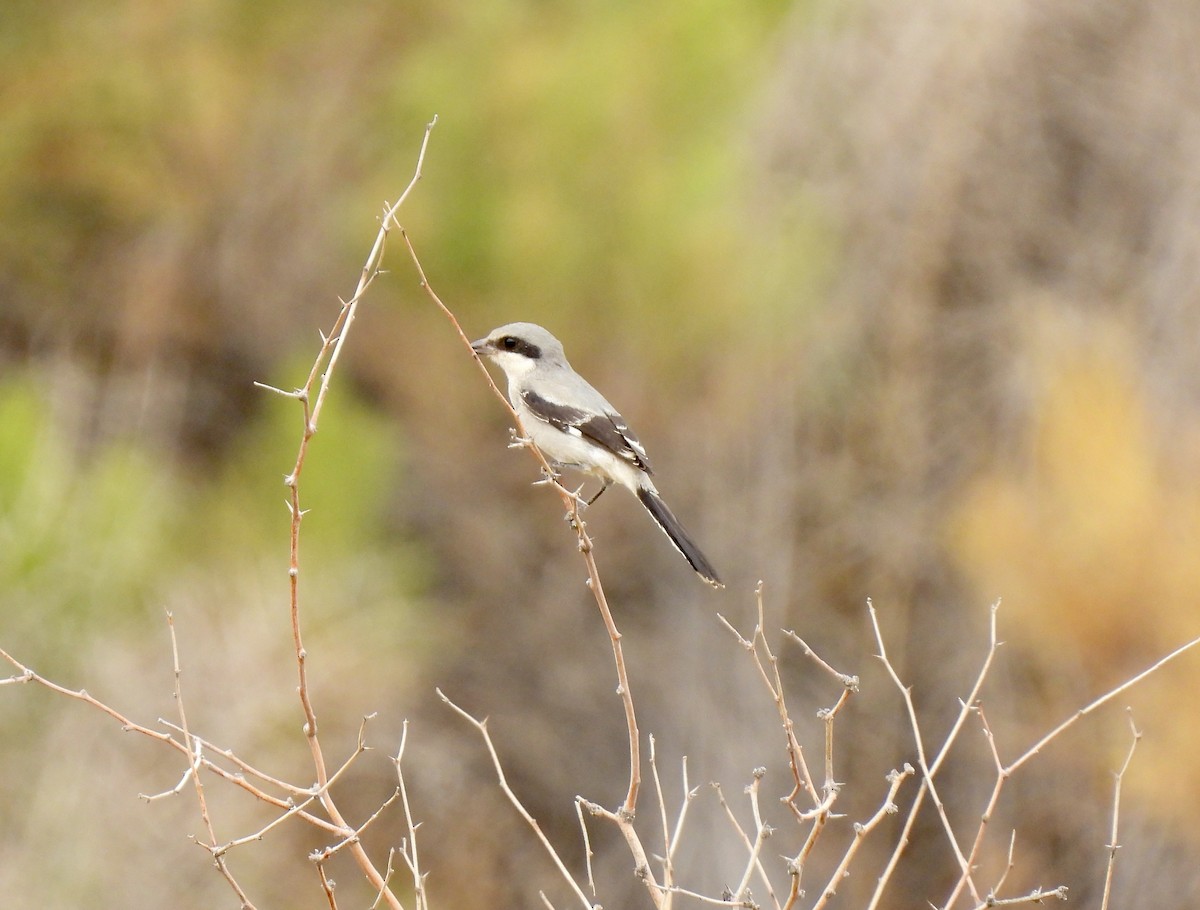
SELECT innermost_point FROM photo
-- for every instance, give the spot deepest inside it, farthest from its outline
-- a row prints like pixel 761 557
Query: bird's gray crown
pixel 524 339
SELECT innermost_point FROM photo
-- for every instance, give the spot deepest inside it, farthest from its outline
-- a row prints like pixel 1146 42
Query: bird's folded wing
pixel 607 430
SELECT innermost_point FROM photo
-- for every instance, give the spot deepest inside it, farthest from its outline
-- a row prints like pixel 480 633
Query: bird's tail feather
pixel 666 520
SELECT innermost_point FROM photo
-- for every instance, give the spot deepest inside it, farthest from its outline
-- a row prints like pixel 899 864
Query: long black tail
pixel 679 537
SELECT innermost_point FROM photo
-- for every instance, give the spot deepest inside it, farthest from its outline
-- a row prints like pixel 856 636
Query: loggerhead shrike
pixel 576 427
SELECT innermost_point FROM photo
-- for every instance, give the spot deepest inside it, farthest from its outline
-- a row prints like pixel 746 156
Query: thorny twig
pixel 312 396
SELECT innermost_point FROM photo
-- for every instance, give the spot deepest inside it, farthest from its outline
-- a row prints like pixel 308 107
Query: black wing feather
pixel 608 431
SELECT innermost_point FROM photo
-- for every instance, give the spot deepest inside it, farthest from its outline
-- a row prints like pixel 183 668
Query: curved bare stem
pixel 572 506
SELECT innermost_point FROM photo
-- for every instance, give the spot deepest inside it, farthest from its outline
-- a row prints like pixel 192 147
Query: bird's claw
pixel 547 479
pixel 518 441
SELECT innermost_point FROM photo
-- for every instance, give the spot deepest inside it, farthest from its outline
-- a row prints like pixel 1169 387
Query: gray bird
pixel 576 427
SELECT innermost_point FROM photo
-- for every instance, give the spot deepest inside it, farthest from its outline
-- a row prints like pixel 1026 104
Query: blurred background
pixel 902 299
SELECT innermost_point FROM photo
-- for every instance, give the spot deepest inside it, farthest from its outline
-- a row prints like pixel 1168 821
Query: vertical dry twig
pixel 588 854
pixel 311 396
pixel 667 865
pixel 641 862
pixel 327 886
pixel 408 847
pixel 387 877
pixel 688 795
pixel 319 377
pixel 1113 846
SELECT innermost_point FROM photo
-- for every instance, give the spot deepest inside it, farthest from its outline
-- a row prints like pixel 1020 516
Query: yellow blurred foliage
pixel 1091 535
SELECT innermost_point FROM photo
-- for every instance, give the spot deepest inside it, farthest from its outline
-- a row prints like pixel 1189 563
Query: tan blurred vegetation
pixel 901 297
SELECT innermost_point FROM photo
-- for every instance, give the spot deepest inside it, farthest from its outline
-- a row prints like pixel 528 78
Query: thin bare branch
pixel 296 810
pixel 188 773
pixel 28 675
pixel 409 846
pixel 801 776
pixel 753 847
pixel 481 726
pixel 688 795
pixel 861 830
pixel 387 877
pixel 588 853
pixel 796 864
pixel 195 748
pixel 327 885
pixel 1036 896
pixel 851 682
pixel 353 836
pixel 210 748
pixel 641 864
pixel 1008 866
pixel 668 868
pixel 715 901
pixel 1099 703
pixel 918 739
pixel 965 709
pixel 970 701
pixel 1004 772
pixel 1113 846
pixel 989 811
pixel 571 503
pixel 761 833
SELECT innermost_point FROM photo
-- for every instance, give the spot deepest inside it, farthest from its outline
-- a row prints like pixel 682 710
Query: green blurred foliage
pixel 98 540
pixel 351 467
pixel 83 544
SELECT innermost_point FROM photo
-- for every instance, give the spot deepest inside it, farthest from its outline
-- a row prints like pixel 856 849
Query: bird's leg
pixel 518 442
pixel 607 484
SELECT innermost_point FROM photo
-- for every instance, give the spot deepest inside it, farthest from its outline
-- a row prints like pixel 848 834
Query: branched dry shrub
pixel 314 804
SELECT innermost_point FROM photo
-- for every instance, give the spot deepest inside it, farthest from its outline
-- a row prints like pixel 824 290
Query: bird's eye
pixel 509 343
